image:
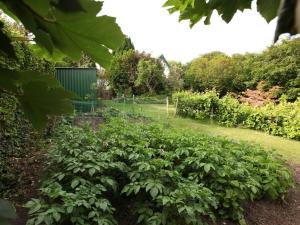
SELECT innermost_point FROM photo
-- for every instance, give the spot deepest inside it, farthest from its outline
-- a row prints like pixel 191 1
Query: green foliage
pixel 69 28
pixel 122 73
pixel 278 65
pixel 150 74
pixel 162 177
pixel 135 73
pixel 15 132
pixel 195 10
pixel 175 80
pixel 281 120
pixel 211 71
pixel 126 46
pixel 59 28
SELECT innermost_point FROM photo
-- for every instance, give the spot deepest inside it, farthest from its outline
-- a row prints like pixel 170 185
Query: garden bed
pixel 126 135
pixel 262 212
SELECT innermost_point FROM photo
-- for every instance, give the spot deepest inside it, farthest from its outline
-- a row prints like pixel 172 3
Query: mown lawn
pixel 288 148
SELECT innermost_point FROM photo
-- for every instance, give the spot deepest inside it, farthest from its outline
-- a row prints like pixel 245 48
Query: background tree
pixel 123 71
pixel 126 46
pixel 175 80
pixel 211 71
pixel 150 74
pixel 244 64
pixel 280 65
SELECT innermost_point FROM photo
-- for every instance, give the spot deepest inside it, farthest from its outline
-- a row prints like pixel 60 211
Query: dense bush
pixel 211 71
pixel 281 120
pixel 277 66
pixel 16 139
pixel 136 73
pixel 144 174
pixel 16 133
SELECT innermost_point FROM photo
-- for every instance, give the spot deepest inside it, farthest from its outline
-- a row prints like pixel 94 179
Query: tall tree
pixel 126 46
pixel 122 73
pixel 175 79
pixel 211 71
pixel 150 74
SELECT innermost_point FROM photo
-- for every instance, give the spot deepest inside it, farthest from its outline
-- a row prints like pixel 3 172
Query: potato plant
pixel 161 177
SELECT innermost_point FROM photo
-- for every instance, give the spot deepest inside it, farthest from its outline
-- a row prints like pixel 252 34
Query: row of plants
pixel 282 119
pixel 145 174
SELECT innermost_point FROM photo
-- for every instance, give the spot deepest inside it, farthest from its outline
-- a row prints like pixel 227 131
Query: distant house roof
pixel 163 59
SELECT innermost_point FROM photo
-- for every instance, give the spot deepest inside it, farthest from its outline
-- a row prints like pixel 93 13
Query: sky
pixel 153 30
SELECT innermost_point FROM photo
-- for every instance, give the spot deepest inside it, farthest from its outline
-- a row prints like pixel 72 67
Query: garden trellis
pixel 82 82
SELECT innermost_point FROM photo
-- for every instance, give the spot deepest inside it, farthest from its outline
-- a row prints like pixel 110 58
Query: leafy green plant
pixel 281 120
pixel 159 176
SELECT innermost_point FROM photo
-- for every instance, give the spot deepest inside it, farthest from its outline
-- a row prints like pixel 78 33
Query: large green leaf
pixel 228 8
pixel 40 95
pixel 68 5
pixel 60 27
pixel 8 80
pixel 41 7
pixel 71 30
pixel 268 8
pixel 195 10
pixel 39 101
pixel 6 47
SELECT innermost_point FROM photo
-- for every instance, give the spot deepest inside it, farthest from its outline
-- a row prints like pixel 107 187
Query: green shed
pixel 82 82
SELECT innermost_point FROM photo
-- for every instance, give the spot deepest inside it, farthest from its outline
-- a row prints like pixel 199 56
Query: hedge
pixel 282 119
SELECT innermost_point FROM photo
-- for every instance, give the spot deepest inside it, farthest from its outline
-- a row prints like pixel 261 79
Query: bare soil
pixel 31 167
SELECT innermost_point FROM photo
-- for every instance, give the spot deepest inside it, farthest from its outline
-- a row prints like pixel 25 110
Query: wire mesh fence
pixel 158 107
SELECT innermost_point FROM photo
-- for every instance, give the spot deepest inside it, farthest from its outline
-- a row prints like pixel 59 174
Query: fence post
pixel 176 106
pixel 124 102
pixel 167 107
pixel 133 103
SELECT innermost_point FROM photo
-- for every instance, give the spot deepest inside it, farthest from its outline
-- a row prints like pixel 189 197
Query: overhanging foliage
pixel 60 27
pixel 195 10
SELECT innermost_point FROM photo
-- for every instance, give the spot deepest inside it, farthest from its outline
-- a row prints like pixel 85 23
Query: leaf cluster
pixel 60 28
pixel 196 10
pixel 158 176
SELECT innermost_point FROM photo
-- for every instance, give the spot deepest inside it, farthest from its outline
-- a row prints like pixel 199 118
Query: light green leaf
pixel 207 167
pixel 92 171
pixel 74 183
pixel 154 192
pixel 56 216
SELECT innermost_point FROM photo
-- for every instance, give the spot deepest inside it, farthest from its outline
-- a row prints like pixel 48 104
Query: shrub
pixel 157 176
pixel 281 120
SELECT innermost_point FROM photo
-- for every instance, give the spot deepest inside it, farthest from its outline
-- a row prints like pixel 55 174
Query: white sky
pixel 153 30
